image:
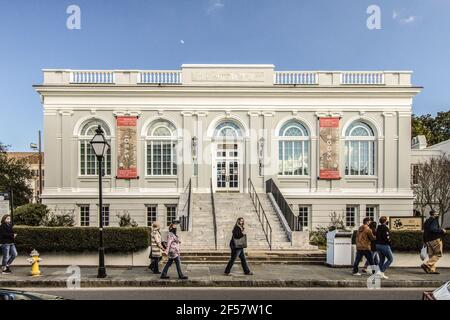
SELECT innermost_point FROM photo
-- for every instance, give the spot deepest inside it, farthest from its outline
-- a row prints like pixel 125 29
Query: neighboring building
pixel 420 152
pixel 230 123
pixel 32 158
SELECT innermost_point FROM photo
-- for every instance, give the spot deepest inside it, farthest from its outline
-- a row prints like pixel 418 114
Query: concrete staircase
pixel 202 236
pixel 230 206
pixel 198 244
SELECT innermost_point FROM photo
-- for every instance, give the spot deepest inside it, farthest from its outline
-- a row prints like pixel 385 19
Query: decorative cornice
pixel 66 112
pixel 336 114
pixel 254 113
pixel 127 113
pixel 320 114
pixel 201 113
pixel 268 113
pixel 387 114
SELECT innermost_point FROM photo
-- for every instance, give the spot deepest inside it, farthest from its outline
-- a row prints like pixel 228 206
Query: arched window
pixel 161 149
pixel 227 129
pixel 293 150
pixel 88 160
pixel 359 150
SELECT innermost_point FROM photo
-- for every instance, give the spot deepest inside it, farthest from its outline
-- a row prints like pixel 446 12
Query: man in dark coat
pixel 432 237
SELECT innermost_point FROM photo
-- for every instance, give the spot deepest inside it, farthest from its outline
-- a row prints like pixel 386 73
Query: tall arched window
pixel 161 149
pixel 359 150
pixel 293 150
pixel 88 160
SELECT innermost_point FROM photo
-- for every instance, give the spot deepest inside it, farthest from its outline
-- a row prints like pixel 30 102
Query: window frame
pixel 151 140
pixel 356 215
pixel 302 141
pixel 371 149
pixel 82 222
pixel 151 206
pixel 170 206
pixel 85 140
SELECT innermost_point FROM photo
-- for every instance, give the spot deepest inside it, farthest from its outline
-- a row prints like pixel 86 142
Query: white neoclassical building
pixel 329 141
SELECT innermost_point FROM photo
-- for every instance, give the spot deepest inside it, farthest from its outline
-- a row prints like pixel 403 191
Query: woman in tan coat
pixel 156 248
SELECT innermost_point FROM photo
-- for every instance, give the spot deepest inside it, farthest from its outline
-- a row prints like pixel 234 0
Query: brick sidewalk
pixel 265 275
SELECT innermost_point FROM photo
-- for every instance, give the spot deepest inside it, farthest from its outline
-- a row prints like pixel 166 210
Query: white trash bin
pixel 339 248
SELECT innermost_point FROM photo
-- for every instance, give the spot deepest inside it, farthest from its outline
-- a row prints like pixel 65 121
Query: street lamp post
pixel 38 148
pixel 100 147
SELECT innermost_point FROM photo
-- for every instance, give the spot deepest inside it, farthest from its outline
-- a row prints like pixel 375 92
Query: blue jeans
pixel 234 254
pixel 9 253
pixel 375 257
pixel 169 263
pixel 385 252
pixel 359 255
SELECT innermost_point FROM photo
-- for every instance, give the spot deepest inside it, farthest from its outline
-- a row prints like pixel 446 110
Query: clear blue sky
pixel 163 34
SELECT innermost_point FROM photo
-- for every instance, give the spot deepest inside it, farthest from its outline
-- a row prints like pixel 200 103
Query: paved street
pixel 265 275
pixel 233 294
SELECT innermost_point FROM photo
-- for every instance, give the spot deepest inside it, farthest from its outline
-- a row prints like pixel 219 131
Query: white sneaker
pixel 357 274
pixel 382 275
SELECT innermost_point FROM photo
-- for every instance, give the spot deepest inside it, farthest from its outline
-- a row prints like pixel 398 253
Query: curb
pixel 308 283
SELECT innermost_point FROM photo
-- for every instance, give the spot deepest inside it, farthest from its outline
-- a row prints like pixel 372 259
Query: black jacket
pixel 432 230
pixel 237 234
pixel 6 233
pixel 383 235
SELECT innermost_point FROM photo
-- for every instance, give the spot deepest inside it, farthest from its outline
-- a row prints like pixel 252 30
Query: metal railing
pixel 185 212
pixel 213 209
pixel 267 229
pixel 286 210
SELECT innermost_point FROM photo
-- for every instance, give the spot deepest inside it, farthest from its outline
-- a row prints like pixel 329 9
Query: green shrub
pixel 412 241
pixel 79 239
pixel 59 220
pixel 409 241
pixel 31 214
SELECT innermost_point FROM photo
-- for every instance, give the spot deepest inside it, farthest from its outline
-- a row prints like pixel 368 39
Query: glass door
pixel 227 167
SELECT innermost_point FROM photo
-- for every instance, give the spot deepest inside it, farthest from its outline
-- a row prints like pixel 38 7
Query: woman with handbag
pixel 237 244
pixel 173 253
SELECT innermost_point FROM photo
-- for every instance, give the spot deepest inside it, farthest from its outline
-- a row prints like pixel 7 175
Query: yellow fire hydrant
pixel 34 261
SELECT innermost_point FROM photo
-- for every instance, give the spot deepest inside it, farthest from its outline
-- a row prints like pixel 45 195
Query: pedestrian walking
pixel 432 238
pixel 173 253
pixel 383 246
pixel 7 240
pixel 373 247
pixel 364 238
pixel 237 245
pixel 156 248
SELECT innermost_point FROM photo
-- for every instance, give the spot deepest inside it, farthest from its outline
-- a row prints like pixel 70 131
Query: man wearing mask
pixel 432 234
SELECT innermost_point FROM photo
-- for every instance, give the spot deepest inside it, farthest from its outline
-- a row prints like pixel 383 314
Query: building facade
pixel 229 126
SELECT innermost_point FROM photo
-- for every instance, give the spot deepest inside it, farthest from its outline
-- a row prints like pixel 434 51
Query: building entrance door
pixel 227 167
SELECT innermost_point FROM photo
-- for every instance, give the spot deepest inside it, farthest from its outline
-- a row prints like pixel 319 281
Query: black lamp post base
pixel 101 273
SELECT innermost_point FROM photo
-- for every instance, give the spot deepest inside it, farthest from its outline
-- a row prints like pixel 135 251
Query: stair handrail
pixel 267 228
pixel 186 212
pixel 213 210
pixel 285 209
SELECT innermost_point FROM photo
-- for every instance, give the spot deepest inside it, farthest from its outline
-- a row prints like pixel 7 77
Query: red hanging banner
pixel 329 149
pixel 126 147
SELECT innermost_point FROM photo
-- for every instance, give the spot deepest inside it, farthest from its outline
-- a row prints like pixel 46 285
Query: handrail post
pixel 213 209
